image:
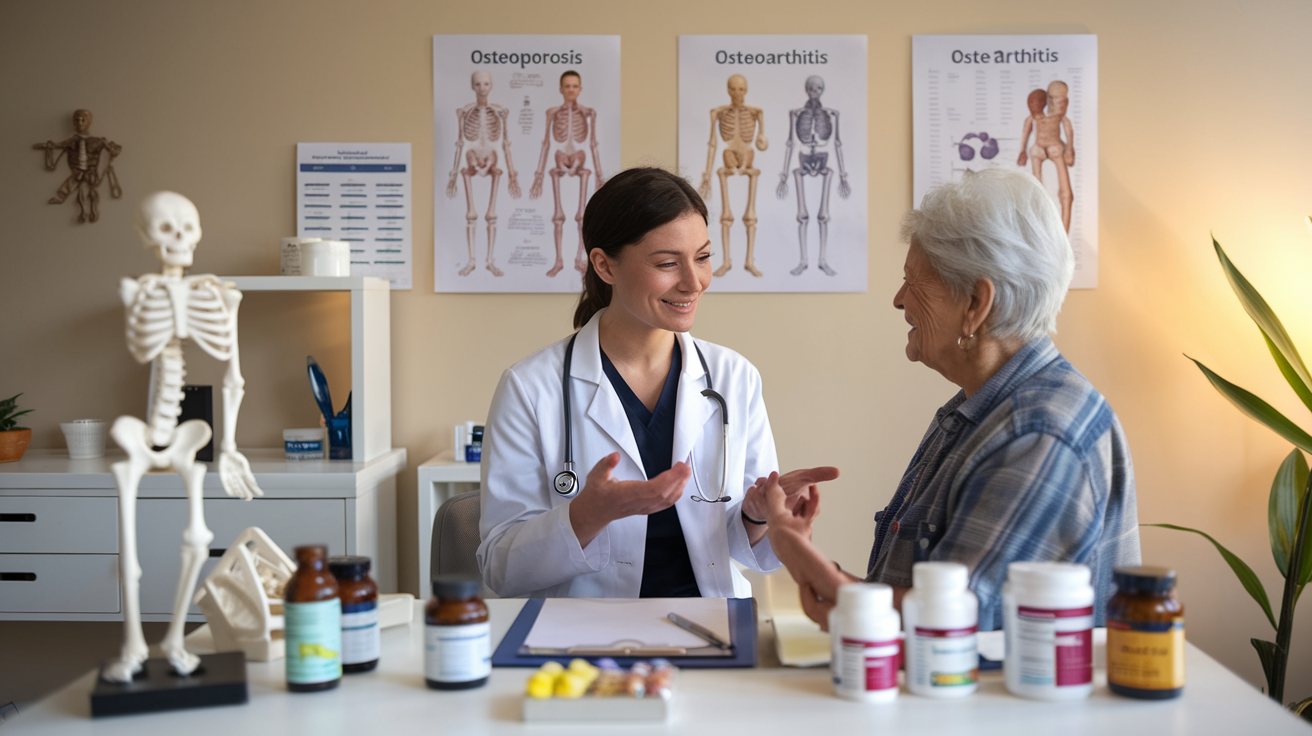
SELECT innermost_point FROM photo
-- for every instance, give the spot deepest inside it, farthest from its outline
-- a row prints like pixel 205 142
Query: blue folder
pixel 742 638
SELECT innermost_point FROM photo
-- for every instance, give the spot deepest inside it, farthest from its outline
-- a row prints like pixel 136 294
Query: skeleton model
pixel 163 310
pixel 570 124
pixel 738 125
pixel 814 125
pixel 1048 144
pixel 481 125
pixel 84 172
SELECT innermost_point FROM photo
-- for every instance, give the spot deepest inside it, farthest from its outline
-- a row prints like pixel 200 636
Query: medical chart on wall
pixel 525 129
pixel 359 193
pixel 772 132
pixel 1022 102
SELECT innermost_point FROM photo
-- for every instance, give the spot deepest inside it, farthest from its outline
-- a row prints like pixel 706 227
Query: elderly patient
pixel 1028 461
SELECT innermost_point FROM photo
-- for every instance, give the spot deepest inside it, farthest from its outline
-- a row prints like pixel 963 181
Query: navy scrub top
pixel 666 567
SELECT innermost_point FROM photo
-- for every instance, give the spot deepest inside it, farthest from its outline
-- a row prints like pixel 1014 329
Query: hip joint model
pixel 813 124
pixel 163 310
pixel 570 124
pixel 738 125
pixel 1048 143
pixel 480 126
pixel 84 174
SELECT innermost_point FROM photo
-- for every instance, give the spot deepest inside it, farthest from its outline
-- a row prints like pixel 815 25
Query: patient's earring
pixel 968 338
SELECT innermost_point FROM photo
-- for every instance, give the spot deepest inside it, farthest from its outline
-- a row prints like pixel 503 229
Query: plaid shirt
pixel 1033 466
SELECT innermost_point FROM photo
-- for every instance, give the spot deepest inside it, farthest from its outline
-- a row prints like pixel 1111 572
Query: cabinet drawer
pixel 59 584
pixel 58 524
pixel 161 521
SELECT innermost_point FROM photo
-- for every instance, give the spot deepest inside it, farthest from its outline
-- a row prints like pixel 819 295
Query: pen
pixel 697 630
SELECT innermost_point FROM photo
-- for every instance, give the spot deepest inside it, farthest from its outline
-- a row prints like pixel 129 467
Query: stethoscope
pixel 567 481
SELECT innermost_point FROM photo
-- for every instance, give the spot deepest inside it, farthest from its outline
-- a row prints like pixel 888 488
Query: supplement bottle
pixel 312 623
pixel 940 616
pixel 1048 620
pixel 361 637
pixel 864 631
pixel 457 637
pixel 1145 634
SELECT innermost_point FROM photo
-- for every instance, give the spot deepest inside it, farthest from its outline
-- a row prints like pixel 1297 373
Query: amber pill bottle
pixel 457 636
pixel 312 623
pixel 1145 634
pixel 361 638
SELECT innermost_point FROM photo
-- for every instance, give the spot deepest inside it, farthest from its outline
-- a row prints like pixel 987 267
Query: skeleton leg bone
pixel 802 218
pixel 190 437
pixel 557 219
pixel 726 218
pixel 749 219
pixel 491 218
pixel 580 258
pixel 127 476
pixel 823 218
pixel 471 216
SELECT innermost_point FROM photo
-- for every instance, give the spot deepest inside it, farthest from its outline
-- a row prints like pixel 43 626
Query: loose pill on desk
pixel 572 685
pixel 636 681
pixel 661 680
pixel 541 685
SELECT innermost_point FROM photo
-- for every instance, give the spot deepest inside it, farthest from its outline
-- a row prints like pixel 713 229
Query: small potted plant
pixel 13 438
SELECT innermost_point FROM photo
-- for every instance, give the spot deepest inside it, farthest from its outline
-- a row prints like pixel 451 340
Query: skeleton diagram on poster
pixel 1027 102
pixel 525 129
pixel 772 132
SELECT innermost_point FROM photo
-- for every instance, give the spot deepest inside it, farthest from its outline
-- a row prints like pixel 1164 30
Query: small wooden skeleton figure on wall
pixel 84 174
pixel 163 309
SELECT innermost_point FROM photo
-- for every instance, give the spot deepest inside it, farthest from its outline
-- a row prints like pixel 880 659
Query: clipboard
pixel 742 638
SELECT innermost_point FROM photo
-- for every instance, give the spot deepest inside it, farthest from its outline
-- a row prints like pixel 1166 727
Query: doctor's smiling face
pixel 658 281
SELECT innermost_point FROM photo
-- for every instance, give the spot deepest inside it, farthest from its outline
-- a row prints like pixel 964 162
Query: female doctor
pixel 673 491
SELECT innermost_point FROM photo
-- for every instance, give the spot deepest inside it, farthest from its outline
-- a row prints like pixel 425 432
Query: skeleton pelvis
pixel 133 435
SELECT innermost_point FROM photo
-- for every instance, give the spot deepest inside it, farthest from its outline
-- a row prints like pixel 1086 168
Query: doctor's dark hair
pixel 627 207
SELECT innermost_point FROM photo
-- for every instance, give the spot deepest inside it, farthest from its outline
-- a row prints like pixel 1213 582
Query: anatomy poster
pixel 1021 102
pixel 525 129
pixel 772 132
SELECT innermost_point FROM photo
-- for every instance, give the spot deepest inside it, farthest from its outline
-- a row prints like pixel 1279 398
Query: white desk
pixel 440 478
pixel 762 701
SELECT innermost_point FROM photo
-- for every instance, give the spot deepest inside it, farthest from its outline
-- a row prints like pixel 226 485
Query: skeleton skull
pixel 169 223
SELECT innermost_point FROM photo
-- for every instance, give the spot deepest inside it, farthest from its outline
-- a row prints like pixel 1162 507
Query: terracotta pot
pixel 13 444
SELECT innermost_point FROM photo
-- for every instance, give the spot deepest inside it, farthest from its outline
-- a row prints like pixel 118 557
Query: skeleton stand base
pixel 219 680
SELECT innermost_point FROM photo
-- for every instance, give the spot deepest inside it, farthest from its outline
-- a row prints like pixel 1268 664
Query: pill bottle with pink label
pixel 865 632
pixel 1048 620
pixel 940 615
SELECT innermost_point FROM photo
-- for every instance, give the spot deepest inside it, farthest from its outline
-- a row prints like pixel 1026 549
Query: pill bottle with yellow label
pixel 1145 634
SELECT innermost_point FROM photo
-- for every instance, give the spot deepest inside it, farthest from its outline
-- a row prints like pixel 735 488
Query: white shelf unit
pixel 371 351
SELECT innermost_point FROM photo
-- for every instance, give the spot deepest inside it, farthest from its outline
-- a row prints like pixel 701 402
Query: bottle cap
pixel 945 577
pixel 310 552
pixel 1144 579
pixel 459 587
pixel 862 599
pixel 350 567
pixel 1048 574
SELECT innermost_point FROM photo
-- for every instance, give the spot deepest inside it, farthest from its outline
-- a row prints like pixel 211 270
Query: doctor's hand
pixel 604 499
pixel 795 484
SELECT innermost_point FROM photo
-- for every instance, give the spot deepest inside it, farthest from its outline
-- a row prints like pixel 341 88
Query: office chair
pixel 455 536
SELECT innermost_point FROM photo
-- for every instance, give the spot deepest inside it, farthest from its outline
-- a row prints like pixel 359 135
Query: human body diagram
pixel 738 125
pixel 813 125
pixel 570 125
pixel 1048 143
pixel 480 129
pixel 84 174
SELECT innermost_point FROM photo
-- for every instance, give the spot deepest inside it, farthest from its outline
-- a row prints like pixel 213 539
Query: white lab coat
pixel 528 545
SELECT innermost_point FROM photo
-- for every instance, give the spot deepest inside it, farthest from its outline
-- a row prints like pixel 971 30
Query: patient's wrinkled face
pixel 929 308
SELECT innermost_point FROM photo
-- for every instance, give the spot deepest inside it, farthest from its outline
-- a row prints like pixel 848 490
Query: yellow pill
pixel 541 685
pixel 551 668
pixel 570 686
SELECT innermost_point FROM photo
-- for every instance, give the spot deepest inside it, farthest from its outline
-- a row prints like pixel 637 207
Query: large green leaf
pixel 1282 509
pixel 1271 328
pixel 1246 576
pixel 1273 666
pixel 1258 409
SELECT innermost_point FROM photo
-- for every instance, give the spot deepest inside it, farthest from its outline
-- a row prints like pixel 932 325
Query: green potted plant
pixel 1288 509
pixel 13 438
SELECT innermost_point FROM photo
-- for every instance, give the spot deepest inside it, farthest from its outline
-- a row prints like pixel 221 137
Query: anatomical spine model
pixel 1048 144
pixel 738 125
pixel 570 124
pixel 480 126
pixel 813 124
pixel 163 310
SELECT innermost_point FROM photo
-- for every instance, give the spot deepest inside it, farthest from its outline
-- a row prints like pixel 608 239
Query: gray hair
pixel 1003 226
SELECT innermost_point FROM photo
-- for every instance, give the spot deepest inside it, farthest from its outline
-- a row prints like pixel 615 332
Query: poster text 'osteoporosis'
pixel 524 59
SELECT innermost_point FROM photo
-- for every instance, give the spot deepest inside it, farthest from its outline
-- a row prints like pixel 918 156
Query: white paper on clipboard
pixel 603 622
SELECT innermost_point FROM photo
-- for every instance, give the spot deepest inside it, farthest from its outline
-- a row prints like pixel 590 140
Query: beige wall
pixel 1204 109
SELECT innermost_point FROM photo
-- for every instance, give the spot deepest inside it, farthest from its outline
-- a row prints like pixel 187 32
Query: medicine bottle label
pixel 1055 645
pixel 457 653
pixel 361 638
pixel 314 641
pixel 1147 656
pixel 868 665
pixel 944 658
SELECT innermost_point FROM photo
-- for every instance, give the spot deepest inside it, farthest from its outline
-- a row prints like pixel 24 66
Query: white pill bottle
pixel 1048 620
pixel 864 629
pixel 941 616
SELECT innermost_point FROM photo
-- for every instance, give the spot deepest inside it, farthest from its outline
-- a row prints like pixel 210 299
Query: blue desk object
pixel 742 636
